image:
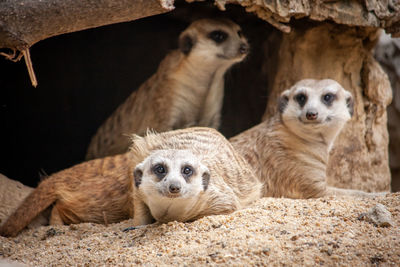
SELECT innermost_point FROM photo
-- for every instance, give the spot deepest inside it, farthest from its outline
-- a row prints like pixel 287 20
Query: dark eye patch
pixel 240 33
pixel 218 36
pixel 187 171
pixel 301 99
pixel 328 98
pixel 160 171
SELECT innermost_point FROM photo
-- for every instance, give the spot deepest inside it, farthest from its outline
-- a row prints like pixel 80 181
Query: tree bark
pixel 387 53
pixel 25 22
pixel 366 13
pixel 359 158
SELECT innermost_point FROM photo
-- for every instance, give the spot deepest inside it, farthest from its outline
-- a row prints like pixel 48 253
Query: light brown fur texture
pixel 101 190
pixel 289 152
pixel 94 191
pixel 232 184
pixel 187 89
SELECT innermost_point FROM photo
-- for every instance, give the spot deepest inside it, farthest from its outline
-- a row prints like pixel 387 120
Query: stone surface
pixel 379 216
pixel 387 52
pixel 12 193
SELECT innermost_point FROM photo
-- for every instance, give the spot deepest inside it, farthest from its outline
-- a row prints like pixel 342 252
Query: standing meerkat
pixel 102 190
pixel 187 89
pixel 289 152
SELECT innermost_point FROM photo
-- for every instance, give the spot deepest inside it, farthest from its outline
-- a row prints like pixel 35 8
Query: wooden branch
pixel 25 22
pixel 364 13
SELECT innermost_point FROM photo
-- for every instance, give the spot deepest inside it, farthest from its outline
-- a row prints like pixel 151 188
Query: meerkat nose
pixel 174 188
pixel 244 48
pixel 311 115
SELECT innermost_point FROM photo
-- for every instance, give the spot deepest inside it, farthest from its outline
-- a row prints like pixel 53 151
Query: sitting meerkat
pixel 103 190
pixel 289 152
pixel 187 89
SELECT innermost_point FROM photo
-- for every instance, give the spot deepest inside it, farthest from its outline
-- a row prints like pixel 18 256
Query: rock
pixel 12 193
pixel 387 52
pixel 365 13
pixel 379 216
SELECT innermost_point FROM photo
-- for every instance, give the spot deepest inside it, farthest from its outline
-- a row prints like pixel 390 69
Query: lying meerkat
pixel 102 190
pixel 289 152
pixel 187 89
pixel 213 177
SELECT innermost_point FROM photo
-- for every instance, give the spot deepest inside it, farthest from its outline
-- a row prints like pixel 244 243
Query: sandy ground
pixel 273 232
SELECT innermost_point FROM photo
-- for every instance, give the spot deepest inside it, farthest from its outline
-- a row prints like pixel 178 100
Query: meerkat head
pixel 216 40
pixel 170 174
pixel 316 109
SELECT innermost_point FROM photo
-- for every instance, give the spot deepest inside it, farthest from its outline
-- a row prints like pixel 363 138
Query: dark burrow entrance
pixel 85 75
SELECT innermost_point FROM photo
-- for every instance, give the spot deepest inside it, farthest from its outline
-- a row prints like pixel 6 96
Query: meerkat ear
pixel 137 175
pixel 283 101
pixel 206 179
pixel 186 43
pixel 350 104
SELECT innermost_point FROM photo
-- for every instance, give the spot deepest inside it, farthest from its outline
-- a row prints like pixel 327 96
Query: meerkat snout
pixel 174 188
pixel 244 48
pixel 312 114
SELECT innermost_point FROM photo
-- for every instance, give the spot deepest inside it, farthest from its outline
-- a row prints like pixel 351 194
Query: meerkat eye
pixel 328 98
pixel 218 36
pixel 160 170
pixel 240 33
pixel 187 171
pixel 301 99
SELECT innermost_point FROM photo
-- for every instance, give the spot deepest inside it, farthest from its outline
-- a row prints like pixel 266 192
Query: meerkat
pixel 187 89
pixel 104 190
pixel 289 152
pixel 213 178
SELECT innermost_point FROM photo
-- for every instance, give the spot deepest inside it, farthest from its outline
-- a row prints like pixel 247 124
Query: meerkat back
pixel 186 90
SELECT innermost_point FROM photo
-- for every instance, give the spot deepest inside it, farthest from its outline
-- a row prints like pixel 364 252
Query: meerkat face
pixel 316 107
pixel 170 174
pixel 214 40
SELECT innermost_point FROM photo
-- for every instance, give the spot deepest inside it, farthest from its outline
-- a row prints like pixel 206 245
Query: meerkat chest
pixel 198 101
pixel 189 104
pixel 165 210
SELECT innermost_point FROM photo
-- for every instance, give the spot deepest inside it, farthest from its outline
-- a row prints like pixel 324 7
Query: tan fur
pixel 186 90
pixel 100 190
pixel 290 156
pixel 232 183
pixel 93 191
